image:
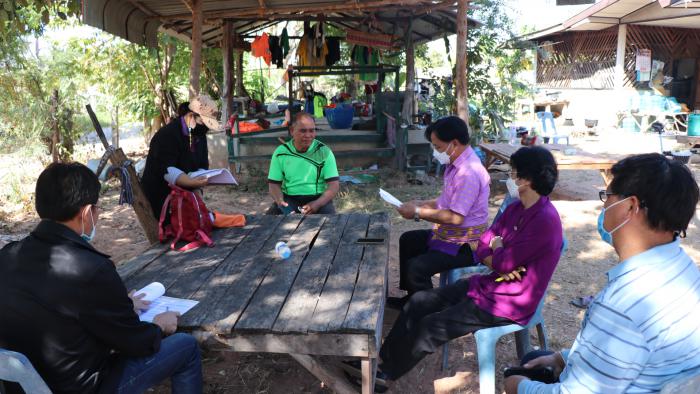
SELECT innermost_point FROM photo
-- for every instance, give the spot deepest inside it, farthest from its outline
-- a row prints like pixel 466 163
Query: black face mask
pixel 200 129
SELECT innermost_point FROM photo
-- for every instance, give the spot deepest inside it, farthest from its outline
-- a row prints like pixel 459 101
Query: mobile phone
pixel 370 241
pixel 540 374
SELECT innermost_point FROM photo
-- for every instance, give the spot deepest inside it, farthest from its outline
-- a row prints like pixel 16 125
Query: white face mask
pixel 512 188
pixel 91 236
pixel 442 157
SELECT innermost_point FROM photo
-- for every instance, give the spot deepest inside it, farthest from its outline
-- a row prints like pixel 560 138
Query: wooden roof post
pixel 408 99
pixel 461 68
pixel 620 58
pixel 227 86
pixel 196 59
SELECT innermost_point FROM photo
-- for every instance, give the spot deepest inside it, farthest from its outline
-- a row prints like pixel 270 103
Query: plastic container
pixel 340 117
pixel 694 125
pixel 283 250
pixel 682 156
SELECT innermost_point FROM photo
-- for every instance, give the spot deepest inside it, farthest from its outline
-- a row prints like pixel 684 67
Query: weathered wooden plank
pixel 329 375
pixel 337 291
pixel 345 345
pixel 368 298
pixel 298 310
pixel 247 280
pixel 134 265
pixel 197 272
pixel 267 301
pixel 226 273
pixel 167 268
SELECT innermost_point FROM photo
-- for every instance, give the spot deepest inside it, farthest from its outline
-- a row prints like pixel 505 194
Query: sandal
pixel 582 302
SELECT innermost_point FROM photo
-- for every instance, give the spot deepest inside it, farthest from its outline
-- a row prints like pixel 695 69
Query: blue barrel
pixel 694 125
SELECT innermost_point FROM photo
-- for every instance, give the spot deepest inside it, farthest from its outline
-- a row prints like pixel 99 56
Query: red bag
pixel 189 219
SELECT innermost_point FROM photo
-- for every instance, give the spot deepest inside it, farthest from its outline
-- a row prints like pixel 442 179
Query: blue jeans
pixel 178 359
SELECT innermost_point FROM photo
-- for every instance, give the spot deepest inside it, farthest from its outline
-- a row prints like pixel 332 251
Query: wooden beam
pixel 407 113
pixel 461 68
pixel 227 63
pixel 196 59
pixel 318 9
pixel 334 379
pixel 141 205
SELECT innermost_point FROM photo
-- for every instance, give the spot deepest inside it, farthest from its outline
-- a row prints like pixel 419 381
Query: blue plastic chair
pixel 15 367
pixel 549 130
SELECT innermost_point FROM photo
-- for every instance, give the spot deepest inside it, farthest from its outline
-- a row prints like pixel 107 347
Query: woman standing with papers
pixel 178 148
pixel 460 213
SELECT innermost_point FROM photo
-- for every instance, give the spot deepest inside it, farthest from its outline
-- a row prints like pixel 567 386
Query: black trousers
pixel 429 319
pixel 418 264
pixel 296 202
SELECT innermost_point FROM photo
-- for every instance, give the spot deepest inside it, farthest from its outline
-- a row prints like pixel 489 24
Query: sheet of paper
pixel 386 196
pixel 152 291
pixel 167 304
pixel 217 176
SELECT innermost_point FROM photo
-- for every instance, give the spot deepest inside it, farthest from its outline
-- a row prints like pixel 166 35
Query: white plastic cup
pixel 283 250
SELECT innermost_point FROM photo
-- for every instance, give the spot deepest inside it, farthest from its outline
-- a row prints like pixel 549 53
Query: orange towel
pixel 222 220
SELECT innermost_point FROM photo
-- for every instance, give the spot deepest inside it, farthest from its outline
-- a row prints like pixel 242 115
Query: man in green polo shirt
pixel 303 176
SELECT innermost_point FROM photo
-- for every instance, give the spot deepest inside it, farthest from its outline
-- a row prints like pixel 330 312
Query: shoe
pixel 353 373
pixel 396 302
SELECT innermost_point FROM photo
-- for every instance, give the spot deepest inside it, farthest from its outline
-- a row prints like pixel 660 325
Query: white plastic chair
pixel 15 367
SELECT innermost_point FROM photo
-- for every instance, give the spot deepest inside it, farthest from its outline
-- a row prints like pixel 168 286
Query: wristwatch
pixel 416 215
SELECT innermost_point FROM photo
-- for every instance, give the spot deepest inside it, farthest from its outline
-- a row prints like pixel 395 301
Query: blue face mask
pixel 90 237
pixel 606 235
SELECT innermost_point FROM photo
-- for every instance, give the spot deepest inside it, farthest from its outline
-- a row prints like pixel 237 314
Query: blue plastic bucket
pixel 694 125
pixel 340 117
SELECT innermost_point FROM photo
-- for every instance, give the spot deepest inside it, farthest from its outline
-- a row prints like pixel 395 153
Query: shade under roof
pixel 139 21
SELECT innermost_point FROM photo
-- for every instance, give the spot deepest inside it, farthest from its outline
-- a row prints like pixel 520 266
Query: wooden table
pixel 326 299
pixel 580 161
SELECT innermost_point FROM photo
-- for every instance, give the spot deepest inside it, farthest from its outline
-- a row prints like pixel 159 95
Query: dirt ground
pixel 581 270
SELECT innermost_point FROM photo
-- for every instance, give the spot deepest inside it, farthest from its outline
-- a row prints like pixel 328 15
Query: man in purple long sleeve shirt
pixel 522 247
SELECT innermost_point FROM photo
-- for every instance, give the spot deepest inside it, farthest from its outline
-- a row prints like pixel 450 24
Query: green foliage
pixel 494 64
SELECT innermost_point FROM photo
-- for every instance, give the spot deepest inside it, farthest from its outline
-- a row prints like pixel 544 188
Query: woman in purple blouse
pixel 522 248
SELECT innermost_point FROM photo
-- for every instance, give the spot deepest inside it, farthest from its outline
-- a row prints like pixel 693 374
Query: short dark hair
pixel 665 188
pixel 183 109
pixel 449 128
pixel 63 188
pixel 537 165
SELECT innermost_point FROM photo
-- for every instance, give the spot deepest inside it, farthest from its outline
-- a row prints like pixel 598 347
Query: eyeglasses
pixel 604 194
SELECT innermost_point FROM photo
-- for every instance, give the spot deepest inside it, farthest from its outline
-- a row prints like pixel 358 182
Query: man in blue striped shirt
pixel 643 329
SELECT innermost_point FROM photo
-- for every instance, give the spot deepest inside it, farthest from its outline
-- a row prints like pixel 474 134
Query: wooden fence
pixel 586 59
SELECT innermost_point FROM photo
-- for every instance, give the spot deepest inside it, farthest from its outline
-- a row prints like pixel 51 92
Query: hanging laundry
pixel 319 40
pixel 333 55
pixel 261 48
pixel 276 51
pixel 284 42
pixel 307 52
pixel 364 56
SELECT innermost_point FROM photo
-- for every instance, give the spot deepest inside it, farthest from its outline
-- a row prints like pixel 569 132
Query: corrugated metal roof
pixel 139 21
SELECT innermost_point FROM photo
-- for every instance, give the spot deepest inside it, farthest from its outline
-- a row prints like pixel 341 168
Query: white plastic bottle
pixel 283 250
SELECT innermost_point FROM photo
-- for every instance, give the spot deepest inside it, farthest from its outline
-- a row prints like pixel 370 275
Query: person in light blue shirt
pixel 643 329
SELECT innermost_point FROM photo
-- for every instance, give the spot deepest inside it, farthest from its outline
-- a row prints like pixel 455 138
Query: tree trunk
pixel 461 68
pixel 56 136
pixel 227 85
pixel 115 127
pixel 240 90
pixel 196 61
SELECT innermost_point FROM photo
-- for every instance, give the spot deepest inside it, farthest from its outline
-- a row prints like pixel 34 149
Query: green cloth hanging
pixel 284 42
